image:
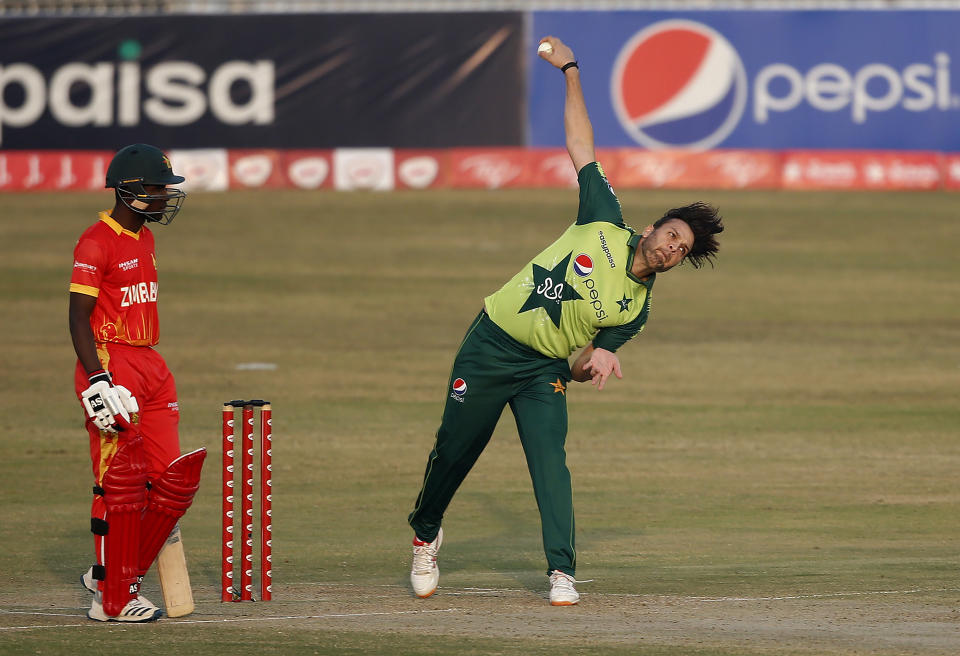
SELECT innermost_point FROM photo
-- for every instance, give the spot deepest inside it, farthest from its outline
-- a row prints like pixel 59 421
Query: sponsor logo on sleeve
pixel 459 388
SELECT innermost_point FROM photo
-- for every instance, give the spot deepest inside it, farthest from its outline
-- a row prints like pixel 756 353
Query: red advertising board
pixel 951 171
pixel 256 169
pixel 738 169
pixel 489 168
pixel 499 168
pixel 551 167
pixel 902 170
pixel 308 169
pixel 420 169
pixel 841 169
pixel 732 169
pixel 53 170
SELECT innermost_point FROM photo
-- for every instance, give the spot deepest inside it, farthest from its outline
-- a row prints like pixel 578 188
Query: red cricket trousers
pixel 142 371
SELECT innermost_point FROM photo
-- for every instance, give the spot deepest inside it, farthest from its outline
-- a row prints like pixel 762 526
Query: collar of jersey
pixel 116 227
pixel 632 245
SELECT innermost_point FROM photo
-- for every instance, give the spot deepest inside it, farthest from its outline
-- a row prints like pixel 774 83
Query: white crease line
pixel 820 596
pixel 492 591
pixel 481 591
pixel 316 617
pixel 233 619
pixel 33 612
pixel 44 626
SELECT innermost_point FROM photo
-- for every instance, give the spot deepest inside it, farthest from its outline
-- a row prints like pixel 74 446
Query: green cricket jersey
pixel 579 288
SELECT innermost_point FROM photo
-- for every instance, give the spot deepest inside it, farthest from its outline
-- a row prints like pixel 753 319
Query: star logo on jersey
pixel 550 290
pixel 624 303
pixel 558 387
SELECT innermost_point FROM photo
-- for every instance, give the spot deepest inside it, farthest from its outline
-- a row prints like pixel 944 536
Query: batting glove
pixel 102 402
pixel 127 399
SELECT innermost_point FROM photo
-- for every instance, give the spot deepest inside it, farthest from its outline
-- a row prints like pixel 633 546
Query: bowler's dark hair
pixel 705 222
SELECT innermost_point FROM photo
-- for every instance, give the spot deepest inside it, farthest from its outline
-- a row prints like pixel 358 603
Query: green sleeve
pixel 614 337
pixel 598 202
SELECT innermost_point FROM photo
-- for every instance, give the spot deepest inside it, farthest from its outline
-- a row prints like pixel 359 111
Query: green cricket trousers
pixel 492 370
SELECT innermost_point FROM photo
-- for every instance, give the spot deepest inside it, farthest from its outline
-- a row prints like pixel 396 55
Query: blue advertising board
pixel 755 79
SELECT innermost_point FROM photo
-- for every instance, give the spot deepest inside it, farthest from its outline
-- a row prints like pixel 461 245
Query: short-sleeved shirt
pixel 119 269
pixel 579 289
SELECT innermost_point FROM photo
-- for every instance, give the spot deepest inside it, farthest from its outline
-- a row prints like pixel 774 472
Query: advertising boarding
pixel 412 80
pixel 757 79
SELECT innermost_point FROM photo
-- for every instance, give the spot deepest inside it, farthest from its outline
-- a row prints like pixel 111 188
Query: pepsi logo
pixel 678 84
pixel 459 387
pixel 583 265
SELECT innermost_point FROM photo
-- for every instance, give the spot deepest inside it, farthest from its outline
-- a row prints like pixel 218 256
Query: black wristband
pixel 98 375
pixel 573 64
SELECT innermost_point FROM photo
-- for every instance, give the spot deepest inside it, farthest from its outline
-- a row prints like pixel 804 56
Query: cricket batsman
pixel 142 485
pixel 591 290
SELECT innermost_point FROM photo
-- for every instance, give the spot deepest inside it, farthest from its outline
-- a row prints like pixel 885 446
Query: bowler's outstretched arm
pixel 576 121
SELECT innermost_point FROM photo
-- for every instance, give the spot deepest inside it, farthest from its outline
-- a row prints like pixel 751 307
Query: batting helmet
pixel 138 165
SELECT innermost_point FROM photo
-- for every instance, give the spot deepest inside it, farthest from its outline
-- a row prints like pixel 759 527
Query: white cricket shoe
pixel 425 575
pixel 562 592
pixel 135 611
pixel 90 584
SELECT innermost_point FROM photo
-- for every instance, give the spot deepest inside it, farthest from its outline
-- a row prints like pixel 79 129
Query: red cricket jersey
pixel 119 268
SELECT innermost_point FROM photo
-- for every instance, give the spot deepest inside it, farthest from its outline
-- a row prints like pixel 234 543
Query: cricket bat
pixel 174 578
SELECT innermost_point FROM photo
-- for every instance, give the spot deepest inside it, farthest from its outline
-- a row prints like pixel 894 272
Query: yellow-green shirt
pixel 579 288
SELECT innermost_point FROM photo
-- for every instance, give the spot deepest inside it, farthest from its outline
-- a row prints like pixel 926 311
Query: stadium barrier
pixel 218 169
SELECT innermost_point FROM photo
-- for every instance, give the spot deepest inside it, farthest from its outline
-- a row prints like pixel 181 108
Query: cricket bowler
pixel 142 485
pixel 590 290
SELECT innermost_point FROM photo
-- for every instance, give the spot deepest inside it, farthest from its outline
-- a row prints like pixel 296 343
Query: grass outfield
pixel 776 473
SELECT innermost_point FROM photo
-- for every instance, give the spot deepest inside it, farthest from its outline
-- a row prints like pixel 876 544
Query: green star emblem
pixel 550 290
pixel 624 303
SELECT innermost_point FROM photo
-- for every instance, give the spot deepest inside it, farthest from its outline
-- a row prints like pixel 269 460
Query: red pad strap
pixel 125 494
pixel 168 500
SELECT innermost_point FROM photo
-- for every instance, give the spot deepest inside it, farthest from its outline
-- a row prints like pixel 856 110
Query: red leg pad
pixel 125 495
pixel 167 501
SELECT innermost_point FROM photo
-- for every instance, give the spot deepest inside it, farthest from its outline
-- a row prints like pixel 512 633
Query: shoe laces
pixel 424 556
pixel 561 581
